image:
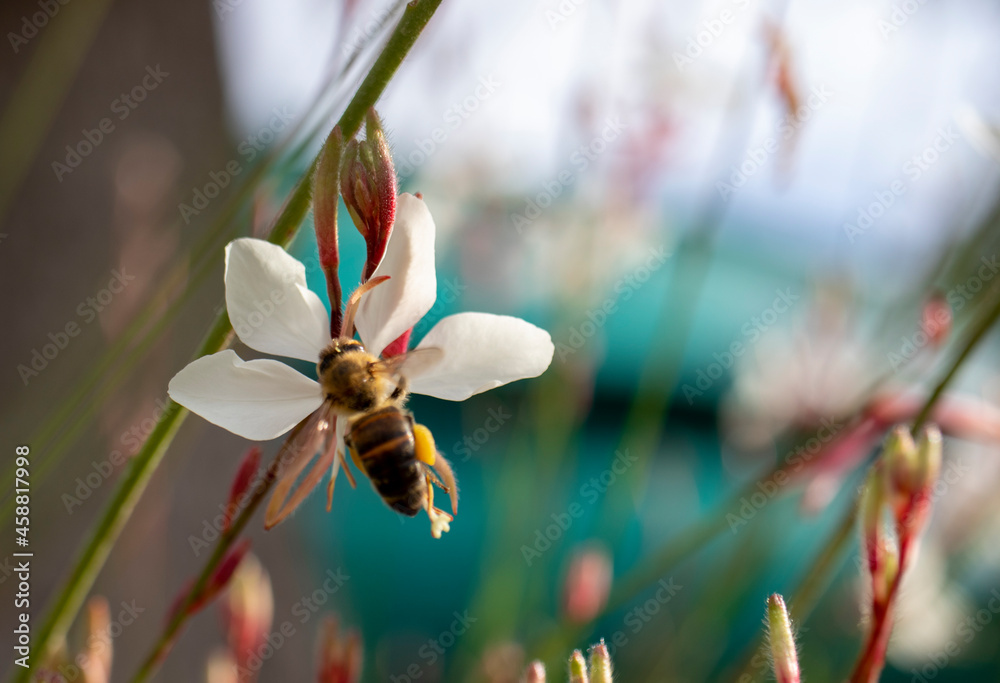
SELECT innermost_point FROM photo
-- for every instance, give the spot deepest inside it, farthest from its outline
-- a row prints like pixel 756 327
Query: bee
pixel 366 395
pixel 386 444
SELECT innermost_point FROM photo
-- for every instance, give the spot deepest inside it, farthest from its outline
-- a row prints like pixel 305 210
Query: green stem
pixel 85 570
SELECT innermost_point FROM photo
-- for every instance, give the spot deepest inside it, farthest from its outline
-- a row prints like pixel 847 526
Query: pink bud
pixel 535 673
pixel 368 184
pixel 340 656
pixel 248 609
pixel 587 584
pixel 936 319
pixel 241 484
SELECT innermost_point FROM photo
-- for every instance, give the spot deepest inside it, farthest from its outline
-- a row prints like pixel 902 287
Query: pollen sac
pixel 368 185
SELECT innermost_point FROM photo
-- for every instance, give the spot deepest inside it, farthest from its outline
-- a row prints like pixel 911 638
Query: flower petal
pixel 395 306
pixel 481 352
pixel 258 400
pixel 270 306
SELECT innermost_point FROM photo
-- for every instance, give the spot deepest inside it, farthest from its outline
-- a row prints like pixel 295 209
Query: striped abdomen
pixel 383 441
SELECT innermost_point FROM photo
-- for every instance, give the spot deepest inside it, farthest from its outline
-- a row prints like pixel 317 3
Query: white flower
pixel 273 311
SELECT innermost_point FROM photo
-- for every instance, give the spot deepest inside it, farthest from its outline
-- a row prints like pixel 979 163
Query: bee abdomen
pixel 384 442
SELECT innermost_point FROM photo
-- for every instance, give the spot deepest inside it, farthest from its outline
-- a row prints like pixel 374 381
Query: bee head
pixel 336 349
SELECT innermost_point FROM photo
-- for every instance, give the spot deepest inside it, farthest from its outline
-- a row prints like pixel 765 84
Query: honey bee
pixel 366 395
pixel 386 444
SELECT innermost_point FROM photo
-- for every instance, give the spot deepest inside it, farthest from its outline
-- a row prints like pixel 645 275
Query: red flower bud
pixel 368 184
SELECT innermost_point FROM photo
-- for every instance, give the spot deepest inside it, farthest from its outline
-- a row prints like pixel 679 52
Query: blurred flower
pixel 247 611
pixel 241 485
pixel 222 668
pixel 93 662
pixel 263 399
pixel 340 655
pixel 217 582
pixel 502 663
pixel 587 584
pixel 535 673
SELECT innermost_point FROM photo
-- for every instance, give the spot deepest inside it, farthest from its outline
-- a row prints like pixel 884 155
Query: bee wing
pixel 410 364
pixel 310 436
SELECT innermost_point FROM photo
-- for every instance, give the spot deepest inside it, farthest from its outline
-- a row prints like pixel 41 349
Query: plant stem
pixel 90 561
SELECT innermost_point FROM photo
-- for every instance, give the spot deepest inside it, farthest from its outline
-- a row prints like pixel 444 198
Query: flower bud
pixel 588 582
pixel 95 660
pixel 936 319
pixel 782 642
pixel 248 609
pixel 340 656
pixel 241 484
pixel 600 663
pixel 578 668
pixel 222 668
pixel 368 184
pixel 535 673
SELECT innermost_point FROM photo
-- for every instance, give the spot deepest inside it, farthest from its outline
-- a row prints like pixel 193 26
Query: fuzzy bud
pixel 600 664
pixel 368 184
pixel 578 668
pixel 782 642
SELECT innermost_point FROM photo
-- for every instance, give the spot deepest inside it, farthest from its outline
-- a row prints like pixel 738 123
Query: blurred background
pixel 742 222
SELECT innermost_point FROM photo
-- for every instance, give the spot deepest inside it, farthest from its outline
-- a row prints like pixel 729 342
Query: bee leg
pixel 427 453
pixel 347 470
pixel 440 520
